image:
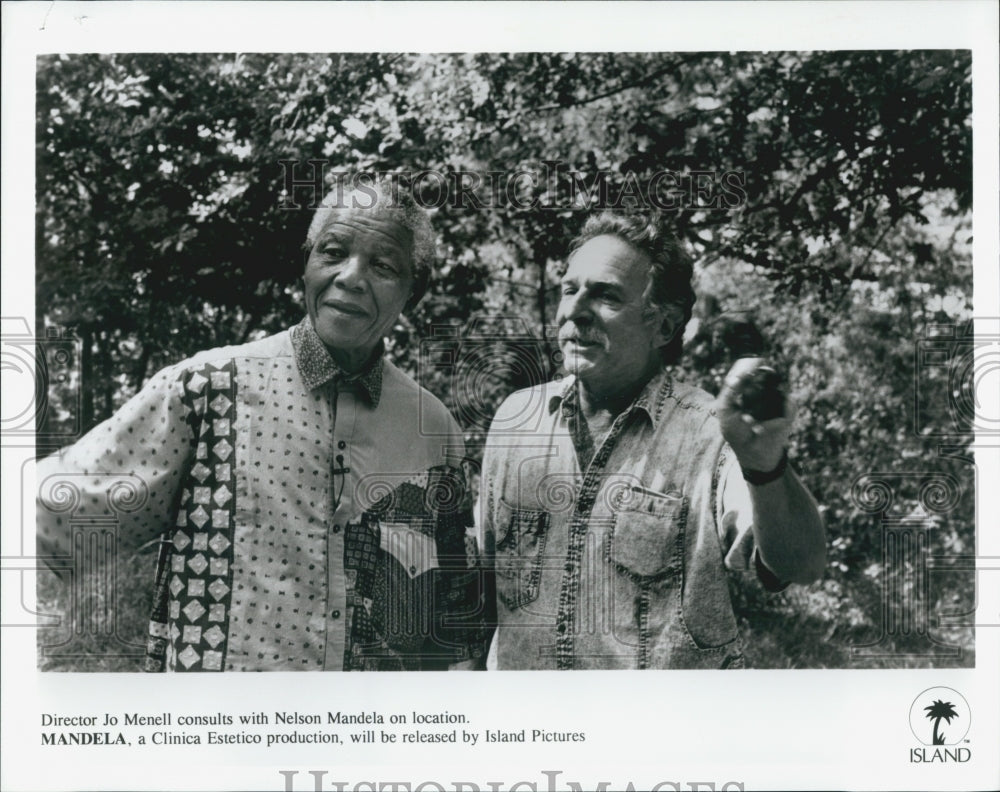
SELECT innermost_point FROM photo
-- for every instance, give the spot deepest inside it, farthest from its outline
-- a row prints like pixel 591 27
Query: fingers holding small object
pixel 771 425
pixel 760 392
pixel 749 420
pixel 752 424
pixel 742 368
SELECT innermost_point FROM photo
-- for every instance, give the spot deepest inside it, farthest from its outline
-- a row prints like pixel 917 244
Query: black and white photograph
pixel 645 358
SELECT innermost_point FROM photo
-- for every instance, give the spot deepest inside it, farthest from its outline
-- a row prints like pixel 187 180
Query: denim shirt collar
pixel 317 367
pixel 649 402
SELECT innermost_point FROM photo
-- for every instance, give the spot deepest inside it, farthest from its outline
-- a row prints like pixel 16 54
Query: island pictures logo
pixel 940 718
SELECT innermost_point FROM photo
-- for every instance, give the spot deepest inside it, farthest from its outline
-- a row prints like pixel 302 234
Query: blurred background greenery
pixel 161 230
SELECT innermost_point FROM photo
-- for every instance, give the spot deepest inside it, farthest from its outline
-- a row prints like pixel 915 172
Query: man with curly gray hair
pixel 309 495
pixel 617 500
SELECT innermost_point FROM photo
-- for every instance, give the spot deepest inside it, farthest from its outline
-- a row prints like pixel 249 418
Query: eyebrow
pixel 379 244
pixel 331 234
pixel 594 286
pixel 388 247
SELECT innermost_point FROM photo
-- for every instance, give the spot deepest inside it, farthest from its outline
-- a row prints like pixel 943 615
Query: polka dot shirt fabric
pixel 261 467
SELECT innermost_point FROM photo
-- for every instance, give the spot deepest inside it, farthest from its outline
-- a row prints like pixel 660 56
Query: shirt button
pixel 570 566
pixel 336 528
pixel 341 445
pixel 336 614
pixel 560 628
pixel 413 570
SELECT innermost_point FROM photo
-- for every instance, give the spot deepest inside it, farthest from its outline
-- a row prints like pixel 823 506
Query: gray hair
pixel 383 197
pixel 670 268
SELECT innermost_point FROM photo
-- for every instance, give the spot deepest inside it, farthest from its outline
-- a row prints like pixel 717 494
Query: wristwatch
pixel 760 477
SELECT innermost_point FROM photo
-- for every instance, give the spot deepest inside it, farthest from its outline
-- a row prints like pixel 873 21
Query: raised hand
pixel 755 414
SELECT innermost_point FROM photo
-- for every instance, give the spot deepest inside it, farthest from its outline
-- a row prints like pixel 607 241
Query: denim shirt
pixel 619 562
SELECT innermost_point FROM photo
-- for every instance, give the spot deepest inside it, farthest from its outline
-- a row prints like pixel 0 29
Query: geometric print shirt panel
pixel 240 457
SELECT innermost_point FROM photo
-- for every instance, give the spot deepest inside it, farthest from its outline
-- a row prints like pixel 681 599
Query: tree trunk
pixel 86 379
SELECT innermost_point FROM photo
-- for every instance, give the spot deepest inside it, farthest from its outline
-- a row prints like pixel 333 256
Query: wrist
pixel 761 477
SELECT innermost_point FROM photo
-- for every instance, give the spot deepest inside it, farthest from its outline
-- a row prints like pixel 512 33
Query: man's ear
pixel 419 284
pixel 411 301
pixel 670 321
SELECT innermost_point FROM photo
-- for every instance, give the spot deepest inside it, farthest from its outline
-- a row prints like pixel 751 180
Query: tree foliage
pixel 161 228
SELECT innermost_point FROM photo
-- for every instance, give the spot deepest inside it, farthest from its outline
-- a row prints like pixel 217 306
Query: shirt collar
pixel 649 401
pixel 317 367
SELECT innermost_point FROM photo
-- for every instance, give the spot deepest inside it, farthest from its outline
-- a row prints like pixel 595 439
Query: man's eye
pixel 568 289
pixel 384 265
pixel 334 251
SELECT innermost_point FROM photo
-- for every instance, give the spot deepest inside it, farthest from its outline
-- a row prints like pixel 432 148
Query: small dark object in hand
pixel 762 394
pixel 742 339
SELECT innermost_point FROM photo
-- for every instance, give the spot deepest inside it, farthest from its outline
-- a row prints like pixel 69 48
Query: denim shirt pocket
pixel 644 552
pixel 520 545
pixel 646 539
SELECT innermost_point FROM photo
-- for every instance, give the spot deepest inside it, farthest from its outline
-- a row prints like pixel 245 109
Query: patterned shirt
pixel 613 552
pixel 310 520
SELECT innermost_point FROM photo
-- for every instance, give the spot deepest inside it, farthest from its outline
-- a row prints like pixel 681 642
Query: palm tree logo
pixel 938 704
pixel 938 711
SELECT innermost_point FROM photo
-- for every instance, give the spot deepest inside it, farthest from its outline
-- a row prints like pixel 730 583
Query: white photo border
pixel 802 729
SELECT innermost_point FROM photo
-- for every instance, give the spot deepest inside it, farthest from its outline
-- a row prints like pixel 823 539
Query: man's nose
pixel 575 307
pixel 351 274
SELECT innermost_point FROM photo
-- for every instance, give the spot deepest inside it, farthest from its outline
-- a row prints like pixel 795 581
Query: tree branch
pixel 644 80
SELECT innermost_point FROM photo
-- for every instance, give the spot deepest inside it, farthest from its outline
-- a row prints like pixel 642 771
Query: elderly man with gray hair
pixel 309 495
